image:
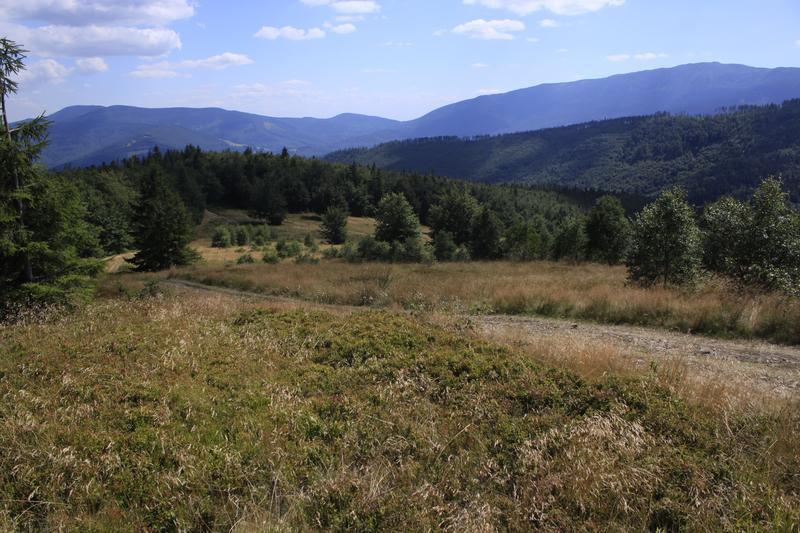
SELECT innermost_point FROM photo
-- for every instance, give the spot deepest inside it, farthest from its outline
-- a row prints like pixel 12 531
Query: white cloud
pixel 94 41
pixel 342 29
pixel 549 23
pixel 649 56
pixel 490 29
pixel 91 65
pixel 533 39
pixel 289 32
pixel 480 65
pixel 92 12
pixel 487 91
pixel 169 69
pixel 44 72
pixel 797 43
pixel 356 7
pixel 559 7
pixel 644 56
pixel 397 44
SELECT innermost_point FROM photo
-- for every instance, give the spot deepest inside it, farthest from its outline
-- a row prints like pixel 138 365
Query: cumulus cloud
pixel 289 32
pixel 341 29
pixel 92 12
pixel 358 7
pixel 560 7
pixel 94 41
pixel 490 29
pixel 169 69
pixel 549 23
pixel 643 56
pixel 91 65
pixel 44 72
pixel 51 72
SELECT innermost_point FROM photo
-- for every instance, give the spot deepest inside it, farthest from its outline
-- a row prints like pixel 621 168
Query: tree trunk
pixel 20 205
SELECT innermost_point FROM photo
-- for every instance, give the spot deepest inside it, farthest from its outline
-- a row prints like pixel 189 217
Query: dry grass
pixel 205 412
pixel 585 292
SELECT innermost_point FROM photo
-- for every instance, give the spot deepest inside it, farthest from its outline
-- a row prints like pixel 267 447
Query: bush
pixel 271 258
pixel 221 238
pixel 245 259
pixel 306 259
pixel 287 248
pixel 242 235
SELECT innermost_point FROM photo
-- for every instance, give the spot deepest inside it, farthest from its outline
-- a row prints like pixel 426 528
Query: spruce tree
pixel 45 242
pixel 334 225
pixel 162 226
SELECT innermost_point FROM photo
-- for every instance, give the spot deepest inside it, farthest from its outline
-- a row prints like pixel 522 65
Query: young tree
pixel 757 244
pixel 487 234
pixel 396 220
pixel 607 231
pixel 162 226
pixel 334 225
pixel 570 241
pixel 666 242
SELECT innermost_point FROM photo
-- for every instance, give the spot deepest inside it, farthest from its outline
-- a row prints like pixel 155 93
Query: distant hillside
pixel 728 153
pixel 90 134
pixel 87 135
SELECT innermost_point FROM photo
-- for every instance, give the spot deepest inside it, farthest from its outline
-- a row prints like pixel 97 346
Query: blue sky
pixel 393 58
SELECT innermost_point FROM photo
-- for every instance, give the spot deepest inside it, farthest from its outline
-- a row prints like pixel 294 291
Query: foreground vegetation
pixel 201 412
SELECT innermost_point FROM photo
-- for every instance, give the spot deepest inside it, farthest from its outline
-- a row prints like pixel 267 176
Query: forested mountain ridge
pixel 726 153
pixel 87 135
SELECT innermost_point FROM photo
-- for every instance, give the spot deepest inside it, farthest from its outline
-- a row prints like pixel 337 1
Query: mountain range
pixel 84 135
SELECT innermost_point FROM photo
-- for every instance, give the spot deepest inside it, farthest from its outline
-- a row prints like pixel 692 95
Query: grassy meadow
pixel 588 292
pixel 198 411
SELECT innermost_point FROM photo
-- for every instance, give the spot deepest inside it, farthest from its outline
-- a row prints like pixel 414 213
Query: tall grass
pixel 203 412
pixel 585 292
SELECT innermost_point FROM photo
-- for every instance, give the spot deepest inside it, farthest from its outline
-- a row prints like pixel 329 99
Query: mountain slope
pixel 692 89
pixel 726 153
pixel 91 134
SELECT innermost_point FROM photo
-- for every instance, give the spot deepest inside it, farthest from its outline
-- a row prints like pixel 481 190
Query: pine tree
pixel 666 242
pixel 162 226
pixel 334 225
pixel 269 203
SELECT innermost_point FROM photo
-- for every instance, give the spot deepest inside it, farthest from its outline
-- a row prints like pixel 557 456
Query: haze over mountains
pixel 85 135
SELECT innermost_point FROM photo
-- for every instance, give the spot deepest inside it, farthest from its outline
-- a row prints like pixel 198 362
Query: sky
pixel 392 58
